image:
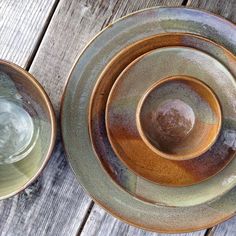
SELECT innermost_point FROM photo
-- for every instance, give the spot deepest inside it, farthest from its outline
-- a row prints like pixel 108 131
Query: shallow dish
pixel 127 138
pixel 28 129
pixel 126 178
pixel 75 109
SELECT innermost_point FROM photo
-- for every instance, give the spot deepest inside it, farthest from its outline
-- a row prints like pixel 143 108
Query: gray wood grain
pixel 72 26
pixel 32 211
pixel 227 228
pixel 21 25
pixel 100 223
pixel 55 203
pixel 41 209
pixel 226 9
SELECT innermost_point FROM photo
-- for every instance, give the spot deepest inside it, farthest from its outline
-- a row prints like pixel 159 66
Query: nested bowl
pixel 126 99
pixel 105 148
pixel 179 117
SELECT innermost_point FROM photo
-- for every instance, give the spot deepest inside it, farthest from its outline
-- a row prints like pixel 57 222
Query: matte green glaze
pixel 75 109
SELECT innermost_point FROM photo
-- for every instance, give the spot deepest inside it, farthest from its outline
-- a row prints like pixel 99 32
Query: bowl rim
pixel 52 117
pixel 156 85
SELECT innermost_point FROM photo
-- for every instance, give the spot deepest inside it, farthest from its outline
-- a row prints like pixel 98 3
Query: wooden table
pixel 45 37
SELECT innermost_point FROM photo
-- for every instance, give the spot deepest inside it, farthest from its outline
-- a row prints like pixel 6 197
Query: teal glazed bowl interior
pixel 27 129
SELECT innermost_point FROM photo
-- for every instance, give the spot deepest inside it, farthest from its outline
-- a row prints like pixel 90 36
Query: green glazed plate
pixel 75 108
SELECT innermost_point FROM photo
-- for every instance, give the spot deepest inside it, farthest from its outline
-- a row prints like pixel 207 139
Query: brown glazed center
pixel 179 117
pixel 173 119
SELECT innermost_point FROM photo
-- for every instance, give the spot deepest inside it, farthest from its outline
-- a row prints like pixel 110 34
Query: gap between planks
pixel 85 218
pixel 40 38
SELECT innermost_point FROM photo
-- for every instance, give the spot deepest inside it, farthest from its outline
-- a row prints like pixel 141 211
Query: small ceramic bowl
pixel 27 129
pixel 169 125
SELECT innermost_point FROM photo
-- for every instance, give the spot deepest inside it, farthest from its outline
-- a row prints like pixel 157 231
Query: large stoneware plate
pixel 75 119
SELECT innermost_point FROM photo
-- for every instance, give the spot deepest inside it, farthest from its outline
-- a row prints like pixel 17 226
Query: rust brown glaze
pixel 17 176
pixel 121 114
pixel 169 126
pixel 180 174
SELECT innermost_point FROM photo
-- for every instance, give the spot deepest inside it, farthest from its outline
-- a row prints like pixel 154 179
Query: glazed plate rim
pixel 81 165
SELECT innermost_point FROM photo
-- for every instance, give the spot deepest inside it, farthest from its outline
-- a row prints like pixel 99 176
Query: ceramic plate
pixel 125 178
pixel 75 109
pixel 128 91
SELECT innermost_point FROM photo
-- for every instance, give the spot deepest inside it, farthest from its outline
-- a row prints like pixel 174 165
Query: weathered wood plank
pixel 21 25
pixel 32 212
pixel 226 9
pixel 227 228
pixel 73 26
pixel 100 223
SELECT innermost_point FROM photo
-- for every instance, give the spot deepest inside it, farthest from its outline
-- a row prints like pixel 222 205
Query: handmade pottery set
pixel 148 120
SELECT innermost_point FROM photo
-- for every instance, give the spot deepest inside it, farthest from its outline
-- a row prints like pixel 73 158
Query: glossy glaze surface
pixel 27 129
